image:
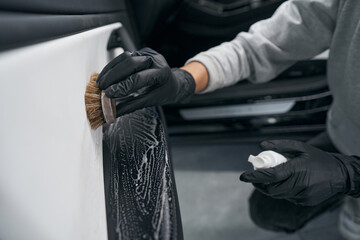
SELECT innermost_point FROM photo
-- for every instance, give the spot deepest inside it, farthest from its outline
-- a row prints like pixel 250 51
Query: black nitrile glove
pixel 143 79
pixel 310 177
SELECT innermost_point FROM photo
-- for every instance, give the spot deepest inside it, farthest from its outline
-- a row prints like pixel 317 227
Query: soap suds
pixel 142 192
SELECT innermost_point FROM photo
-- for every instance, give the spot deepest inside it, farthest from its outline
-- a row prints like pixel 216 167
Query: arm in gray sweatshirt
pixel 298 30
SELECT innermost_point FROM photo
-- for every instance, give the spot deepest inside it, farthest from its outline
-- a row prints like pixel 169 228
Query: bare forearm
pixel 199 73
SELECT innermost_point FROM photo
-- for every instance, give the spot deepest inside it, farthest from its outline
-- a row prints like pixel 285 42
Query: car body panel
pixel 51 173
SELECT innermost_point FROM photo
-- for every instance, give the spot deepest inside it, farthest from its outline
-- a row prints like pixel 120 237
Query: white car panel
pixel 51 173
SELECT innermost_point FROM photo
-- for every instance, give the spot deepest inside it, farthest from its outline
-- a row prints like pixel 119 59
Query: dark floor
pixel 214 203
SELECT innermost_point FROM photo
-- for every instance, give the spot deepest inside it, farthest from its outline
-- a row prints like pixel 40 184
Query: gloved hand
pixel 143 79
pixel 310 177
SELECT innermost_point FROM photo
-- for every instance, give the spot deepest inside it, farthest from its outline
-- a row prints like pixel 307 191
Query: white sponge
pixel 266 159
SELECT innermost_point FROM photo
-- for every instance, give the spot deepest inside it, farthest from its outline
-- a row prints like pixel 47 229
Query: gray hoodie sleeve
pixel 298 30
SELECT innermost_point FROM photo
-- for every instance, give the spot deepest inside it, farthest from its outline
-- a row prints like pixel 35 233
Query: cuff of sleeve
pixel 215 80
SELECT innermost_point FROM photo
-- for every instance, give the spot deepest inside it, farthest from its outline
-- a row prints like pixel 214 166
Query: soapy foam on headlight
pixel 266 159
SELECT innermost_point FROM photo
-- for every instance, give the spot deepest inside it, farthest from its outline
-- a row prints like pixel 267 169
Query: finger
pixel 131 106
pixel 262 187
pixel 269 175
pixel 134 83
pixel 277 190
pixel 283 146
pixel 127 54
pixel 268 189
pixel 122 67
pixel 146 52
pixel 303 201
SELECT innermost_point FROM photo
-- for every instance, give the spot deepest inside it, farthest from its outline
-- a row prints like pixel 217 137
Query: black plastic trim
pixel 286 88
pixel 121 38
pixel 303 134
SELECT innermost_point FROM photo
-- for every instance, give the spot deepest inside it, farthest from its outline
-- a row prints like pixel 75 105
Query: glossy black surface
pixel 24 29
pixel 63 7
pixel 140 188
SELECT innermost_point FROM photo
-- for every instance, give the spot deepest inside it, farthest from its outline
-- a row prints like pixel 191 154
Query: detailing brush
pixel 99 108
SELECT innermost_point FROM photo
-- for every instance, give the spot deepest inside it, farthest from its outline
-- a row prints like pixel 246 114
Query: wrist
pixel 353 166
pixel 199 73
pixel 352 172
pixel 185 85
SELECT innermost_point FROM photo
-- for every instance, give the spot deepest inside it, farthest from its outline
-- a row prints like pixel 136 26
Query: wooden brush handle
pixel 108 107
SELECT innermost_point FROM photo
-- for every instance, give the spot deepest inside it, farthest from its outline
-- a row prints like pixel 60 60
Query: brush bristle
pixel 93 103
